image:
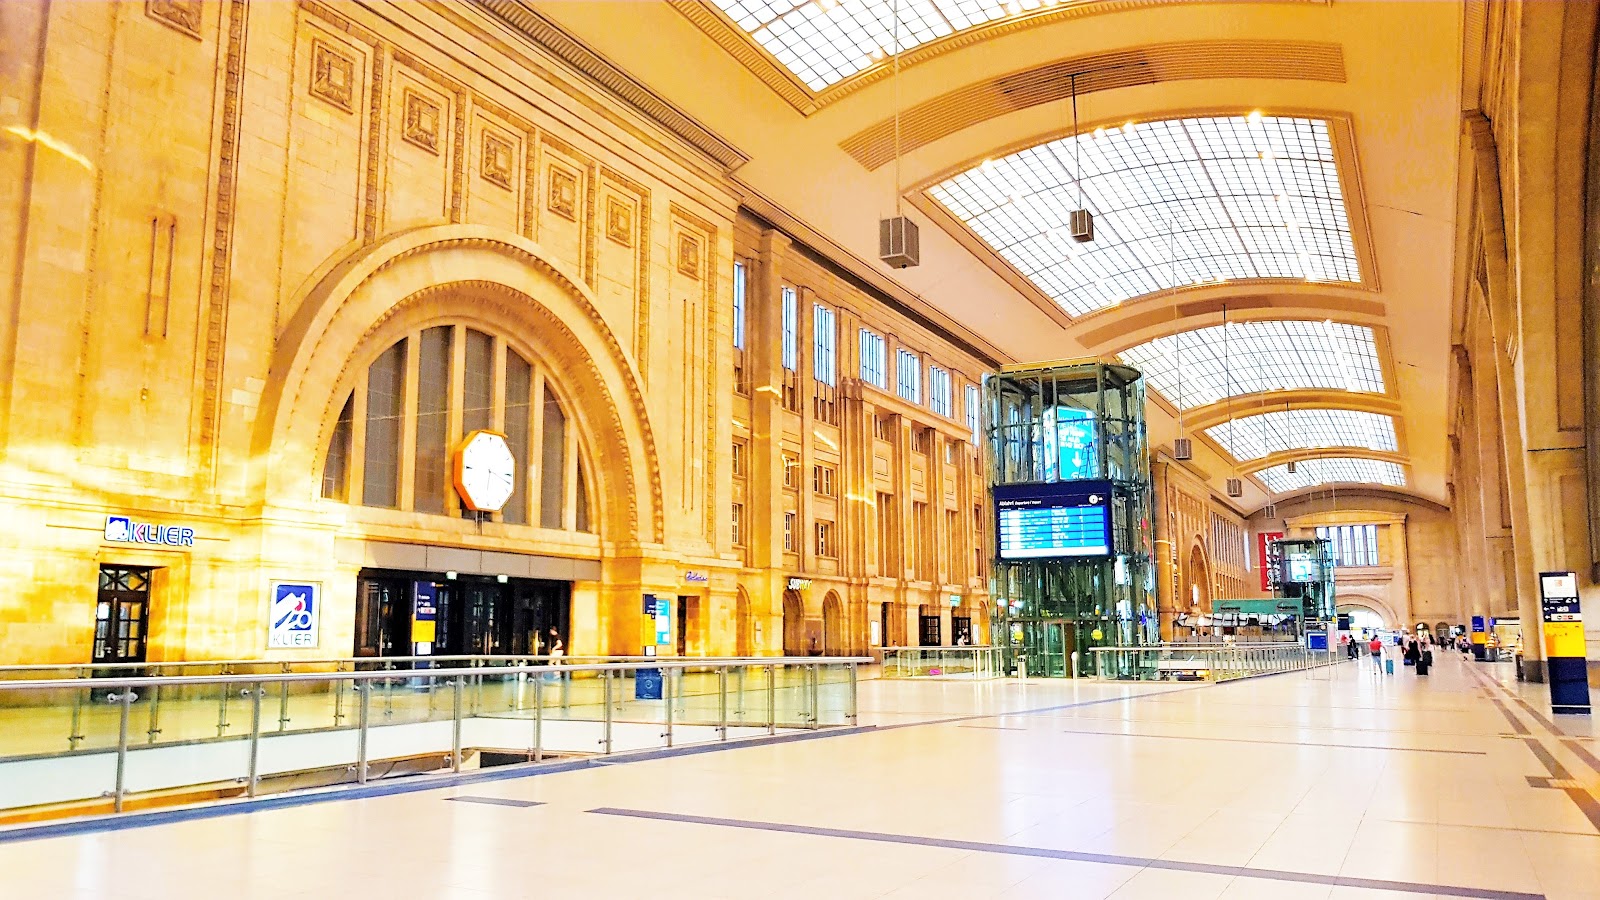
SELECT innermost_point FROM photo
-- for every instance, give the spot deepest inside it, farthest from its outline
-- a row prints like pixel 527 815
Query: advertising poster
pixel 292 619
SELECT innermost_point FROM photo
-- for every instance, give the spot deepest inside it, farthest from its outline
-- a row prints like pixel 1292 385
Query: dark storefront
pixel 466 614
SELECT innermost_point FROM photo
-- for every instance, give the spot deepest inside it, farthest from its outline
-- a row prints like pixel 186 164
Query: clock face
pixel 485 471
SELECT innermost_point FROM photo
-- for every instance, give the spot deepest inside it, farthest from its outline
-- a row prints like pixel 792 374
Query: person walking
pixel 1424 659
pixel 1376 649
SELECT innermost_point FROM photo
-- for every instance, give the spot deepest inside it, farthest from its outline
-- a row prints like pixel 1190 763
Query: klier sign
pixel 123 530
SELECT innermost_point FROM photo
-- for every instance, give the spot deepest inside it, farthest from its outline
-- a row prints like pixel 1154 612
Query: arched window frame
pixel 349 424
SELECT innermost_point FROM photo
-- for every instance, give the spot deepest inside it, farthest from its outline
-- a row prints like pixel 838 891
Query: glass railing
pixel 943 662
pixel 66 741
pixel 1205 662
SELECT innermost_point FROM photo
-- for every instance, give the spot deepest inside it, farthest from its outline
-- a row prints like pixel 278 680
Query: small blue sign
pixel 663 620
pixel 647 684
pixel 292 620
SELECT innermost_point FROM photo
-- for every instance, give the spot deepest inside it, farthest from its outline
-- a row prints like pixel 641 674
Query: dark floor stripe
pixel 1107 859
pixel 1534 714
pixel 1581 753
pixel 1183 737
pixel 1547 759
pixel 498 801
pixel 1516 723
pixel 1586 803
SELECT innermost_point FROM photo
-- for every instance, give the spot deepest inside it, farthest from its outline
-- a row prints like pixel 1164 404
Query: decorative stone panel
pixel 563 198
pixel 180 15
pixel 619 221
pixel 688 255
pixel 421 126
pixel 499 164
pixel 333 76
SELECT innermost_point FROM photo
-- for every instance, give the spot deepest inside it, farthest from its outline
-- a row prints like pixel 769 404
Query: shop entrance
pixel 122 614
pixel 1047 646
pixel 932 629
pixel 474 614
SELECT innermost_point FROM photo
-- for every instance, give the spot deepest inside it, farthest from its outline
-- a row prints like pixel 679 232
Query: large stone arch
pixel 479 274
pixel 1384 610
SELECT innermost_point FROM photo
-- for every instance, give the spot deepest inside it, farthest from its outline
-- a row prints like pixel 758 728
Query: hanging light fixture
pixel 1182 448
pixel 899 241
pixel 1235 486
pixel 1290 467
pixel 1081 221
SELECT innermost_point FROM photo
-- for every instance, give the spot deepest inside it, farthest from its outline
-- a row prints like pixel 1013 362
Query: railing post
pixel 772 699
pixel 854 697
pixel 155 714
pixel 606 739
pixel 538 717
pixel 455 722
pixel 222 706
pixel 283 702
pixel 816 706
pixel 722 703
pixel 254 692
pixel 126 699
pixel 338 697
pixel 363 691
pixel 76 736
pixel 668 693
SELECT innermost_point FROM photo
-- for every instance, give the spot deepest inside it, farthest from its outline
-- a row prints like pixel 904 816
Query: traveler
pixel 1424 660
pixel 1413 651
pixel 1376 648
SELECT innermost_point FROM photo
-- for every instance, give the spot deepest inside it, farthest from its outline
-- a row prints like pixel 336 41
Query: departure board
pixel 1043 521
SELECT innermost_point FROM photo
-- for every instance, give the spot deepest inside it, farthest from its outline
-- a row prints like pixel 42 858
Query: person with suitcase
pixel 1376 649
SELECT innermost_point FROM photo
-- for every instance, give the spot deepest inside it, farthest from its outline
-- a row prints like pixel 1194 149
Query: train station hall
pixel 842 449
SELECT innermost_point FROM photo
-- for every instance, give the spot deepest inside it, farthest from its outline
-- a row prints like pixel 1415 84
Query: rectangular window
pixel 432 462
pixel 386 388
pixel 1372 546
pixel 939 398
pixel 788 531
pixel 874 363
pixel 336 466
pixel 825 546
pixel 738 304
pixel 972 412
pixel 823 335
pixel 919 440
pixel 738 457
pixel 952 452
pixel 791 329
pixel 738 524
pixel 791 471
pixel 477 412
pixel 908 376
pixel 882 427
pixel 921 559
pixel 887 544
pixel 553 465
pixel 519 387
pixel 822 479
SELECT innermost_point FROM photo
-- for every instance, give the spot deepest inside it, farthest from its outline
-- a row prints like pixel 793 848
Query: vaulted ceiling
pixel 1274 192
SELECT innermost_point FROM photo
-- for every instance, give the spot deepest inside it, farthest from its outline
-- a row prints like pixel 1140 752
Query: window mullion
pixel 356 473
pixel 533 468
pixel 406 496
pixel 457 401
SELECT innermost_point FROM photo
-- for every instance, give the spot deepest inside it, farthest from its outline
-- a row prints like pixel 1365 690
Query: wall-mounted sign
pixel 292 620
pixel 692 576
pixel 955 600
pixel 799 584
pixel 1263 538
pixel 663 620
pixel 123 530
pixel 1046 521
pixel 424 617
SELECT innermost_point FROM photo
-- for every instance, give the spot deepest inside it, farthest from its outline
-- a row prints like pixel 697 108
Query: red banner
pixel 1263 538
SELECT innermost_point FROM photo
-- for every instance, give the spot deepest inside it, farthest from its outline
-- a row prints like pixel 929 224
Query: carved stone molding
pixel 421 124
pixel 563 193
pixel 498 164
pixel 688 255
pixel 333 76
pixel 180 15
pixel 619 221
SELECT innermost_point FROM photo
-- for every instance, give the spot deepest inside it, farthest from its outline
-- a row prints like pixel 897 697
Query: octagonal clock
pixel 485 471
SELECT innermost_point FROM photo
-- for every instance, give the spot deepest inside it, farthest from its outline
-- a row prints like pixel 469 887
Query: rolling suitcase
pixel 1388 667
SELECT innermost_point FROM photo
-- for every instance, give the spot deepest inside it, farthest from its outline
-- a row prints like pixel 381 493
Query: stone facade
pixel 220 214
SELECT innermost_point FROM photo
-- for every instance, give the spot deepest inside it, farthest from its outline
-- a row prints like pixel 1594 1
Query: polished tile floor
pixel 1329 784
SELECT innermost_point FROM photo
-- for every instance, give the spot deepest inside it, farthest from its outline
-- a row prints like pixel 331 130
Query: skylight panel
pixel 1332 470
pixel 1176 202
pixel 1252 437
pixel 1196 368
pixel 823 42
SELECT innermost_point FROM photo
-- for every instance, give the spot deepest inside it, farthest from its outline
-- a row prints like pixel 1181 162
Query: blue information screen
pixel 1041 521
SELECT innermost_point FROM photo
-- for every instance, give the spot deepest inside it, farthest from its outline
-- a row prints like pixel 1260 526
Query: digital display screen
pixel 1075 444
pixel 1043 521
pixel 1301 569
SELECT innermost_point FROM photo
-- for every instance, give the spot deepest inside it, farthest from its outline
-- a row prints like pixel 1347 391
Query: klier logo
pixel 124 530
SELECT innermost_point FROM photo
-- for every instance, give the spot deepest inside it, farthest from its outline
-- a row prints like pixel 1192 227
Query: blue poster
pixel 424 617
pixel 1076 444
pixel 663 620
pixel 292 620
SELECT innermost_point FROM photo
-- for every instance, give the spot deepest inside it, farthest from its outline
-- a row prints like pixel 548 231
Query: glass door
pixel 121 615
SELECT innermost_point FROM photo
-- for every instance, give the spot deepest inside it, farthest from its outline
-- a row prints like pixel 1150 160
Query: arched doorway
pixel 794 625
pixel 832 625
pixel 1364 619
pixel 742 640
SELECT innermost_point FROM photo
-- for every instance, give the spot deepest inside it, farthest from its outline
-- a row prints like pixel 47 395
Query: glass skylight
pixel 1252 437
pixel 1261 356
pixel 823 42
pixel 1332 470
pixel 1175 202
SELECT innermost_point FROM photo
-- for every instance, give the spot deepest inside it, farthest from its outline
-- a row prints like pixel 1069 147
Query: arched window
pixel 398 428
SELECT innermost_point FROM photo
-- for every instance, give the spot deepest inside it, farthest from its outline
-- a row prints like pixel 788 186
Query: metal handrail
pixel 634 663
pixel 380 660
pixel 453 683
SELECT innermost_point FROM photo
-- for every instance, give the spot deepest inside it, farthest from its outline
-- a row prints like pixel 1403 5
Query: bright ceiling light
pixel 1191 187
pixel 1332 470
pixel 1263 356
pixel 1253 437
